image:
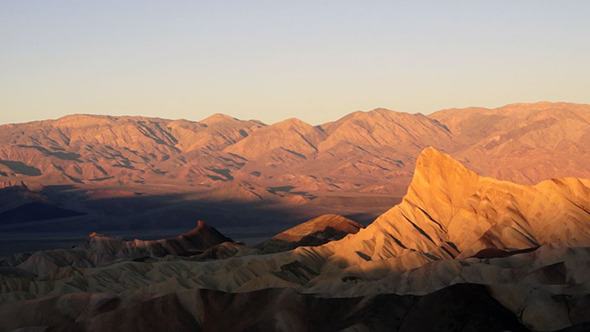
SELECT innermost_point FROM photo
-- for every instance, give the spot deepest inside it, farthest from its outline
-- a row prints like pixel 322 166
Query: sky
pixel 272 60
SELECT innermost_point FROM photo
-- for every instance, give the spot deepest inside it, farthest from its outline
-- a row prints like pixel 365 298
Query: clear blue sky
pixel 271 60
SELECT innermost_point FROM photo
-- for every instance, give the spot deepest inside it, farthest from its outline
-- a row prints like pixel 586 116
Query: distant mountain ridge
pixel 363 153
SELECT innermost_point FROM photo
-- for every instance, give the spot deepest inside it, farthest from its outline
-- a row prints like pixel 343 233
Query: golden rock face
pixel 450 211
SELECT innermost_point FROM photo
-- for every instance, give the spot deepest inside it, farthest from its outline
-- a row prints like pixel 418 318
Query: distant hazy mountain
pixel 363 153
pixel 524 143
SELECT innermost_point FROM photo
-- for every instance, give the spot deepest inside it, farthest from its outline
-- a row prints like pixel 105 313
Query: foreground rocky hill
pixel 474 252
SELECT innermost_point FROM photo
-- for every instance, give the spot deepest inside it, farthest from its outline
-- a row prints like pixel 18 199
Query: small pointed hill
pixel 314 232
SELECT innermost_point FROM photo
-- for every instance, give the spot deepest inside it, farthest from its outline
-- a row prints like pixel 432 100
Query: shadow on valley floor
pixel 70 214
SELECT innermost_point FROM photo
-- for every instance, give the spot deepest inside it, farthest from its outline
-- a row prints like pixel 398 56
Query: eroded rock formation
pixel 527 246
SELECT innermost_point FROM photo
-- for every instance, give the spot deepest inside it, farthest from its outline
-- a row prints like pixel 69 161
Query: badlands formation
pixel 461 252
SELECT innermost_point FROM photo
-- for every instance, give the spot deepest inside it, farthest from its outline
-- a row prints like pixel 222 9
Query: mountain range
pixel 151 177
pixel 365 153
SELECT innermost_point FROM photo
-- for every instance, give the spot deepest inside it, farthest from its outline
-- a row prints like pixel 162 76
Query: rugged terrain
pixel 474 252
pixel 150 177
pixel 363 152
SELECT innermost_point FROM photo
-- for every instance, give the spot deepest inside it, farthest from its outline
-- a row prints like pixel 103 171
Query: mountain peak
pixel 438 173
pixel 217 118
pixel 84 119
pixel 292 122
pixel 292 136
pixel 381 110
pixel 431 158
pixel 205 231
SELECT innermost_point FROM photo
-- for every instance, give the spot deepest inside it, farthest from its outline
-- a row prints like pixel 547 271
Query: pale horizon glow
pixel 271 60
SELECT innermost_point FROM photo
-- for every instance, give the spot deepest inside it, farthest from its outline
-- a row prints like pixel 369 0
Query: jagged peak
pixel 436 170
pixel 430 155
pixel 200 227
pixel 431 159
